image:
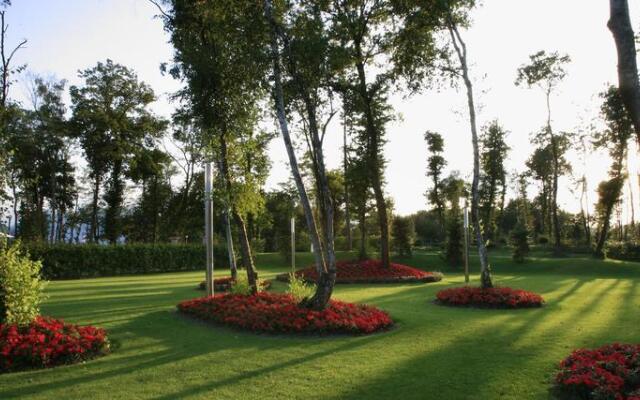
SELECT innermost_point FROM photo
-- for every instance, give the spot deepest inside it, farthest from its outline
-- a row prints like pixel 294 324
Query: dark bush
pixel 629 251
pixel 69 261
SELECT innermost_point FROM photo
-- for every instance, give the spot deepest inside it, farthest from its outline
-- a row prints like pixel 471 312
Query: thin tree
pixel 463 71
pixel 281 53
pixel 435 166
pixel 615 139
pixel 547 71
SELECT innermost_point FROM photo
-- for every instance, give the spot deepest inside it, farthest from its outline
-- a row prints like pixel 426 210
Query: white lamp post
pixel 293 243
pixel 208 224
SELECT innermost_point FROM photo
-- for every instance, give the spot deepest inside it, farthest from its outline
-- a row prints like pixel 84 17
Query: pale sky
pixel 67 35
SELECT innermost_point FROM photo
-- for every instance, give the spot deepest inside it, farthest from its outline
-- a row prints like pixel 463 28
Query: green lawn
pixel 434 353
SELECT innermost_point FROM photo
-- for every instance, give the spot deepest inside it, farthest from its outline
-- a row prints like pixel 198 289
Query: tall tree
pixel 493 180
pixel 291 54
pixel 546 71
pixel 615 139
pixel 463 71
pixel 628 82
pixel 356 27
pixel 7 109
pixel 218 59
pixel 435 166
pixel 112 120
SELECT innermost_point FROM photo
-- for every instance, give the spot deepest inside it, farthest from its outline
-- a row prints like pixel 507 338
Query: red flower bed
pixel 224 284
pixel 608 372
pixel 497 297
pixel 280 313
pixel 47 342
pixel 370 271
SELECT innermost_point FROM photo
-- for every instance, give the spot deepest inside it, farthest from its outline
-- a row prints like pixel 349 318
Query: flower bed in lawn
pixel 369 271
pixel 224 284
pixel 280 313
pixel 609 372
pixel 496 297
pixel 47 342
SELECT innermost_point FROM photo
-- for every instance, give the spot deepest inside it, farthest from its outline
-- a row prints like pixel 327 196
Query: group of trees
pixel 539 218
pixel 300 63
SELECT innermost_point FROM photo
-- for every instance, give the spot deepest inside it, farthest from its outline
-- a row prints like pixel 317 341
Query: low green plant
pixel 300 289
pixel 21 288
pixel 240 285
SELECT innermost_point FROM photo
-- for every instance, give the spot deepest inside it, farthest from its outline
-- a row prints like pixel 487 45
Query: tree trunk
pixel 628 83
pixel 232 257
pixel 347 211
pixel 363 236
pixel 461 50
pixel 93 233
pixel 320 261
pixel 245 245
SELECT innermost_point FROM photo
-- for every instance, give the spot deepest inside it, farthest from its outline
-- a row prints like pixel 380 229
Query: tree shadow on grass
pixel 173 341
pixel 514 359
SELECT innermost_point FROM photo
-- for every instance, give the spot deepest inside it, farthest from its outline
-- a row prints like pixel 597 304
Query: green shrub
pixel 454 247
pixel 520 239
pixel 240 285
pixel 299 289
pixel 70 261
pixel 403 235
pixel 21 289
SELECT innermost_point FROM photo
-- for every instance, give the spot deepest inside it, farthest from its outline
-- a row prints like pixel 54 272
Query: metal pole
pixel 466 244
pixel 208 224
pixel 293 243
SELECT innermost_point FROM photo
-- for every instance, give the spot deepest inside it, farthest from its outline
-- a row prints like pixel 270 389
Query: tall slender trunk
pixel 461 50
pixel 326 281
pixel 321 264
pixel 245 245
pixel 362 254
pixel 93 233
pixel 347 211
pixel 232 257
pixel 585 212
pixel 556 173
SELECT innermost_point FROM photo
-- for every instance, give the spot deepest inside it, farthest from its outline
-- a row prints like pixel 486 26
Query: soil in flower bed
pixel 369 271
pixel 48 342
pixel 280 313
pixel 609 372
pixel 496 297
pixel 224 284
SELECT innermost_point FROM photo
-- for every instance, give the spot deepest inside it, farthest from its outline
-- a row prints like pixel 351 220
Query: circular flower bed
pixel 608 372
pixel 48 342
pixel 280 313
pixel 497 297
pixel 369 271
pixel 224 284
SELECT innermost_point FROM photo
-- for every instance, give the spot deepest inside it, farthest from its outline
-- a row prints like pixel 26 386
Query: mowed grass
pixel 434 353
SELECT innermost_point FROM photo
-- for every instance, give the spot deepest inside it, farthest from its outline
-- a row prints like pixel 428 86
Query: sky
pixel 65 36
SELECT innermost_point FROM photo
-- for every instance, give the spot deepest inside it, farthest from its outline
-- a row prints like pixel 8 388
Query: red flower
pixel 47 342
pixel 370 271
pixel 279 313
pixel 497 297
pixel 610 371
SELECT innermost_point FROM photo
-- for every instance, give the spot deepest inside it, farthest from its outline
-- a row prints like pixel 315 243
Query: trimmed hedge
pixel 73 261
pixel 629 251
